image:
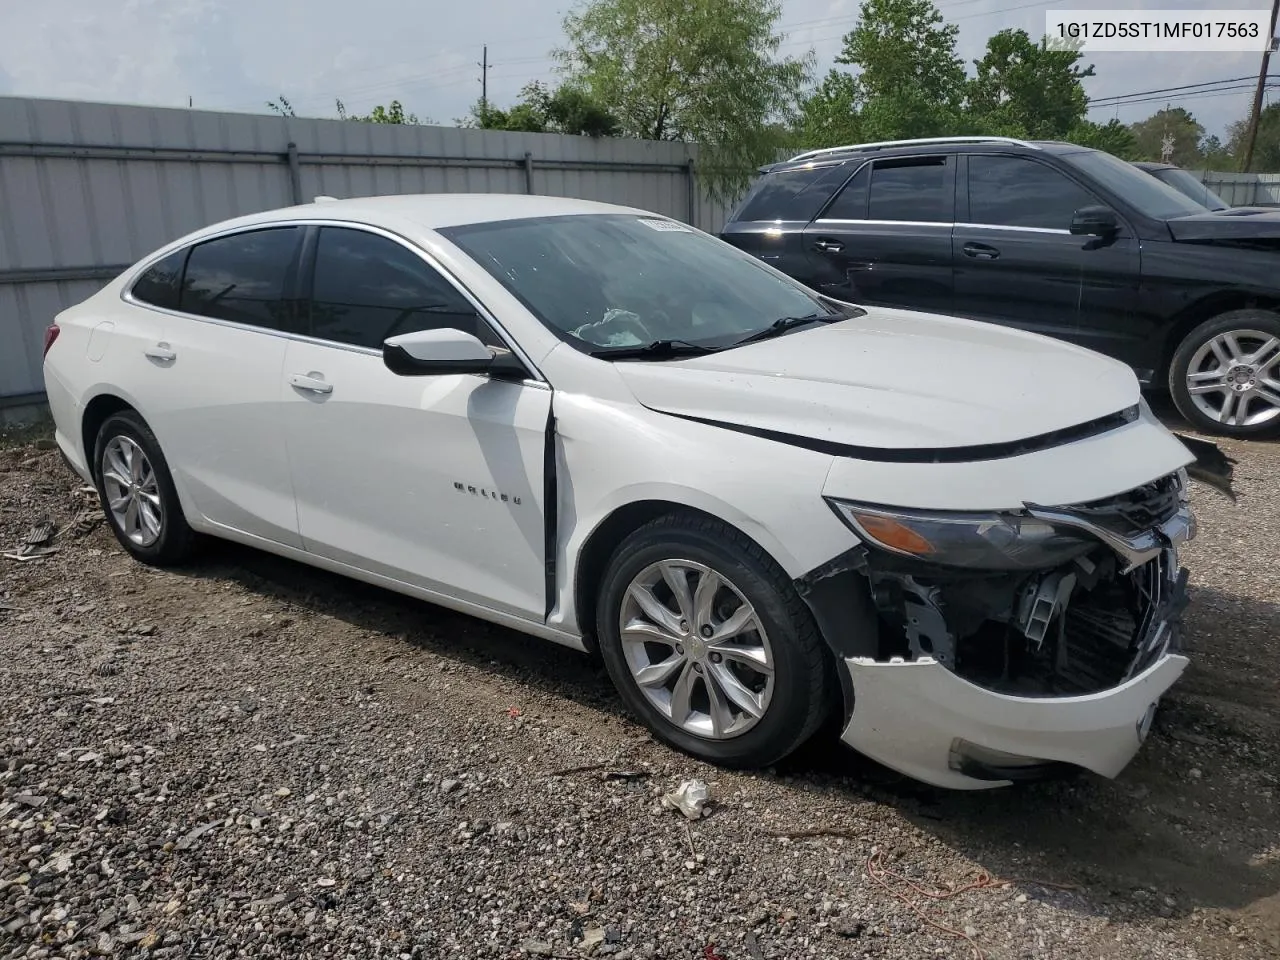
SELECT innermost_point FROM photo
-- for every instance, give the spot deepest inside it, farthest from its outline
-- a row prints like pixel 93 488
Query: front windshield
pixel 1151 197
pixel 1184 182
pixel 605 282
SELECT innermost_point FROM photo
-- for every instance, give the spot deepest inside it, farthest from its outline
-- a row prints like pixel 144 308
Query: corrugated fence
pixel 1243 189
pixel 87 188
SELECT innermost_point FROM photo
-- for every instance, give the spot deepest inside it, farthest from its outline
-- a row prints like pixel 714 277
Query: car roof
pixel 909 148
pixel 433 210
pixel 1149 165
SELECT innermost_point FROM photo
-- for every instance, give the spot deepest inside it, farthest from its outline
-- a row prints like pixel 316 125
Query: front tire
pixel 137 492
pixel 707 642
pixel 1225 375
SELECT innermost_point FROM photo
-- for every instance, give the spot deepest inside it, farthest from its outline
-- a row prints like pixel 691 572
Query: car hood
pixel 1232 224
pixel 893 380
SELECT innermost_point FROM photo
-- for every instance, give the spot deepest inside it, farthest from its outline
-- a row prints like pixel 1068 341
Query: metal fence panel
pixel 1242 189
pixel 86 188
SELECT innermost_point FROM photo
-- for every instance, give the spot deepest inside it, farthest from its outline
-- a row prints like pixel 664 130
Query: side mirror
pixel 1095 221
pixel 426 353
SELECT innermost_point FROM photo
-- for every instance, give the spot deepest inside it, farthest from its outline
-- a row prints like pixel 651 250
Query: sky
pixel 238 54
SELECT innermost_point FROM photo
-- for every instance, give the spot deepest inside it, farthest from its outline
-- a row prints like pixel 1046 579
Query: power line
pixel 1186 86
pixel 1201 95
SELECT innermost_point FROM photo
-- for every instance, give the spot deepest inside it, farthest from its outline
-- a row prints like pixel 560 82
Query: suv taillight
pixel 50 336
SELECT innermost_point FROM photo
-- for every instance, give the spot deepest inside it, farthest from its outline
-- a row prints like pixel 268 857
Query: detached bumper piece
pixel 985 678
pixel 921 719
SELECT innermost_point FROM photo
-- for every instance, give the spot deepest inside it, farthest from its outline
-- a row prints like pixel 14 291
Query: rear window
pixel 159 285
pixel 794 194
pixel 243 278
pixel 910 190
pixel 852 202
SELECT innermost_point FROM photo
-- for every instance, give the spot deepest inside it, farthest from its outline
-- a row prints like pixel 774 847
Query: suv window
pixel 1017 192
pixel 793 194
pixel 368 288
pixel 1151 197
pixel 851 204
pixel 244 278
pixel 910 189
pixel 159 285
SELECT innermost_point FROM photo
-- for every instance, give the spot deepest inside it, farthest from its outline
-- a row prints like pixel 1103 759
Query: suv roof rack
pixel 809 154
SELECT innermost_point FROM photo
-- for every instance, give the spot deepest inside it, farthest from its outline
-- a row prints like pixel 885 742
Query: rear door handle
pixel 980 251
pixel 162 352
pixel 310 384
pixel 828 246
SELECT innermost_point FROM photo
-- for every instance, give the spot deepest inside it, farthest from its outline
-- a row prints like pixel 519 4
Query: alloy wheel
pixel 1234 378
pixel 132 491
pixel 696 649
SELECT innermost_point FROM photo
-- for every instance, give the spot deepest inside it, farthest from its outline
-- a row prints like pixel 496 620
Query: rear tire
pixel 720 657
pixel 1225 375
pixel 137 492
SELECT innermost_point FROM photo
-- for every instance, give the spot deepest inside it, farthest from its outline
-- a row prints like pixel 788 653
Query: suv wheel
pixel 708 643
pixel 1225 376
pixel 137 492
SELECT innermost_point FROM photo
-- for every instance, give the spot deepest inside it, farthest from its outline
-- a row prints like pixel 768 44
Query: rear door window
pixel 794 194
pixel 244 278
pixel 917 189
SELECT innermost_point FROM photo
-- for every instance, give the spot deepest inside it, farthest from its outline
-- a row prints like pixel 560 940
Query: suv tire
pixel 1225 375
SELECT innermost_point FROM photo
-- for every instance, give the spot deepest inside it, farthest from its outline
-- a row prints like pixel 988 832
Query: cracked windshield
pixel 615 282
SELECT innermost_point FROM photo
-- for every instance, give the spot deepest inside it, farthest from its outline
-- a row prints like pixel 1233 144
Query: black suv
pixel 1184 183
pixel 1049 237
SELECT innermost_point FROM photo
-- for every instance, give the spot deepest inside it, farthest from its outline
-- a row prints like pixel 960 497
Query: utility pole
pixel 484 82
pixel 1256 112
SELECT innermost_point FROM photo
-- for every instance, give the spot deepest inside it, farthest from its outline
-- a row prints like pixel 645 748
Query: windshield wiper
pixel 783 324
pixel 657 350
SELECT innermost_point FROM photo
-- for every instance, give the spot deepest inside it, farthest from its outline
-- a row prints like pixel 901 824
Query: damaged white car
pixel 603 428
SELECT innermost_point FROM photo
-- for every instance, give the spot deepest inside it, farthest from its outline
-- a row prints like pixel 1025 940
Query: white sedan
pixel 601 427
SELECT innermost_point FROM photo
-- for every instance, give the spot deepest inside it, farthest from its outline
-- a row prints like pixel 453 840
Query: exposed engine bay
pixel 1085 625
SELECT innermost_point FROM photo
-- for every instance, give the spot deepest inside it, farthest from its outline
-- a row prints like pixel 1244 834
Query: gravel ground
pixel 250 758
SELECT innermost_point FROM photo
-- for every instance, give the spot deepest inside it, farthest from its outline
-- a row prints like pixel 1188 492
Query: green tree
pixel 574 111
pixel 1172 127
pixel 1028 86
pixel 1266 150
pixel 566 110
pixel 1111 137
pixel 706 71
pixel 1217 155
pixel 828 115
pixel 909 81
pixel 392 113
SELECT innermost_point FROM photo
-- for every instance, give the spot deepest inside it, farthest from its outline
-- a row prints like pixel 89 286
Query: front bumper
pixel 928 715
pixel 922 720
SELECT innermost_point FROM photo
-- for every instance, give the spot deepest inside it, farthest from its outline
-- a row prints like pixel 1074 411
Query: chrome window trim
pixel 1020 229
pixel 940 223
pixel 126 293
pixel 889 223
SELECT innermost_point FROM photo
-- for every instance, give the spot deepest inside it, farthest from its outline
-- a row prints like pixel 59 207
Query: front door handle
pixel 828 246
pixel 162 352
pixel 310 384
pixel 980 251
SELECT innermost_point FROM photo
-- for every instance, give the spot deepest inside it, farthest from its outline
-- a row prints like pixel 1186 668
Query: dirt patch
pixel 248 757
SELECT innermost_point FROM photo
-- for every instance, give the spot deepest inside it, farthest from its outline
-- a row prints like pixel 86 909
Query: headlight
pixel 979 541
